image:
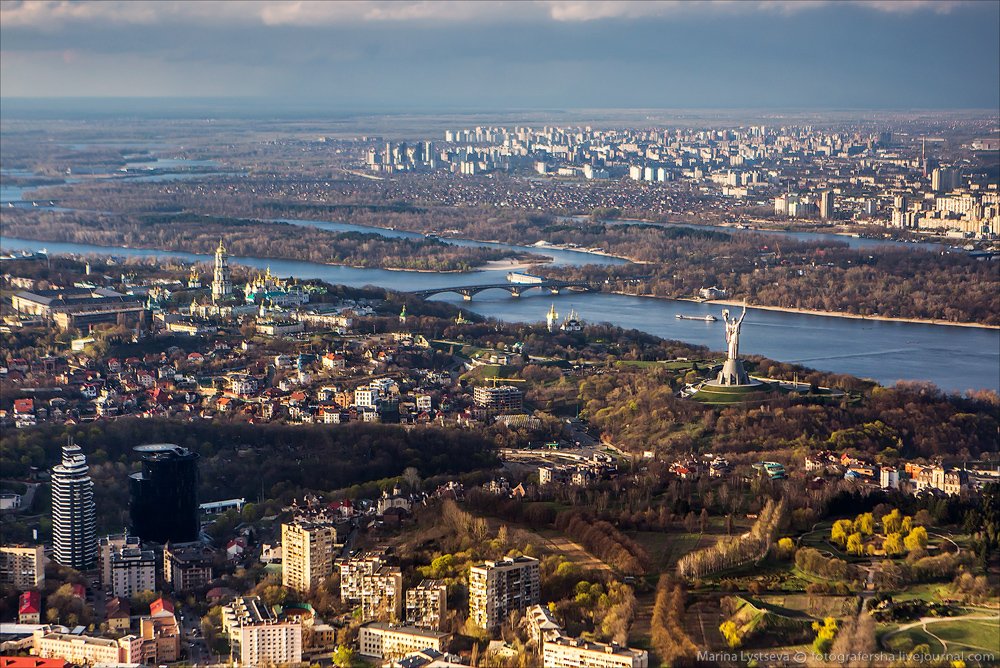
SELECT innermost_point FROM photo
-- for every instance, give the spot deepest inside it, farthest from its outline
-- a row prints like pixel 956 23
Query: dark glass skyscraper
pixel 164 503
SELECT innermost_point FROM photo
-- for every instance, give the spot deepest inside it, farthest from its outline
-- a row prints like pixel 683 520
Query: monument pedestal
pixel 733 373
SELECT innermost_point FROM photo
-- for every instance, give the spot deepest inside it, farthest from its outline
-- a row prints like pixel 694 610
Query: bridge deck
pixel 513 288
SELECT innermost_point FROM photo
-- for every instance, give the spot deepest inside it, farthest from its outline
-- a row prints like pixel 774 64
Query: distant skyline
pixel 425 56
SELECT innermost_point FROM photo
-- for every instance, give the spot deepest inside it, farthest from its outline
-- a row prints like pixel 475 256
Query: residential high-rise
pixel 427 604
pixel 74 530
pixel 222 282
pixel 501 398
pixel 496 588
pixel 307 552
pixel 186 567
pixel 826 205
pixel 164 495
pixel 945 179
pixel 22 566
pixel 111 545
pixel 133 570
pixel 378 587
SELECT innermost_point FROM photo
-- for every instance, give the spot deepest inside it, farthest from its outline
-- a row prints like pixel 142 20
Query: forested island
pixel 195 233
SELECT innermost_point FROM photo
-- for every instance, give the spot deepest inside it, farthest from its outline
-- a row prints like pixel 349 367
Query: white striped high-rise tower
pixel 74 530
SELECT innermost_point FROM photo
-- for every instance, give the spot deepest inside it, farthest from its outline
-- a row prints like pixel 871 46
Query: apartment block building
pixel 576 653
pixel 378 587
pixel 502 398
pixel 308 550
pixel 109 545
pixel 258 636
pixel 186 567
pixel 385 641
pixel 427 604
pixel 133 570
pixel 160 633
pixel 353 570
pixel 22 566
pixel 87 650
pixel 497 588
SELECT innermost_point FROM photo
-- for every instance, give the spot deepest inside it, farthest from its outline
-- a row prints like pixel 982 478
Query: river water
pixel 954 358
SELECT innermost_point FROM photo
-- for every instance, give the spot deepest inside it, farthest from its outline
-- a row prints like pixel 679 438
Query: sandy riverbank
pixel 510 265
pixel 588 251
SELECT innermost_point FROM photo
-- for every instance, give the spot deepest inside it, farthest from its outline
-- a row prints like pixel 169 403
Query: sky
pixel 560 54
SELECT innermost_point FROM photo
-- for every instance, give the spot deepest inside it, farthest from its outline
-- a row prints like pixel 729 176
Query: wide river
pixel 954 358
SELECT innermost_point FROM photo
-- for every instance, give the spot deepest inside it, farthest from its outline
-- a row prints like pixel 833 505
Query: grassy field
pixel 923 592
pixel 557 543
pixel 666 548
pixel 969 635
pixel 951 636
pixel 732 395
pixel 814 606
pixel 905 641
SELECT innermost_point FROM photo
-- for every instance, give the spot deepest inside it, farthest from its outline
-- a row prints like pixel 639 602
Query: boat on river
pixel 707 318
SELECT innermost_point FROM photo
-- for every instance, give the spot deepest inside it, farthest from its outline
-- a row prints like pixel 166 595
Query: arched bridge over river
pixel 515 289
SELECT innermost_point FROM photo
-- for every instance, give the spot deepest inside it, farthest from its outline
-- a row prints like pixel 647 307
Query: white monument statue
pixel 732 371
pixel 733 332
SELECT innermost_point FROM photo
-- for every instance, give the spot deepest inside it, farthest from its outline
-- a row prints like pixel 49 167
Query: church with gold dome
pixel 275 291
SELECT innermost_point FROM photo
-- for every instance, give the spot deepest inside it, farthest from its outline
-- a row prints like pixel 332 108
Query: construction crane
pixel 495 379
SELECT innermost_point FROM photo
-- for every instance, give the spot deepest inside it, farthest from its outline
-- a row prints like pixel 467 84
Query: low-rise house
pixel 29 608
pixel 118 615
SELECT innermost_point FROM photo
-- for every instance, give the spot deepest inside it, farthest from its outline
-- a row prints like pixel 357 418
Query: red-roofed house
pixel 29 609
pixel 236 547
pixel 24 406
pixel 161 606
pixel 333 361
pixel 159 396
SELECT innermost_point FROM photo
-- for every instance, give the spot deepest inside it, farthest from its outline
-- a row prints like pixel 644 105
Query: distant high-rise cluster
pixel 849 174
pixel 402 157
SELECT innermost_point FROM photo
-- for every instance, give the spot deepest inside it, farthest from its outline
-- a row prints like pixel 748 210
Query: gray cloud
pixel 50 14
pixel 559 54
